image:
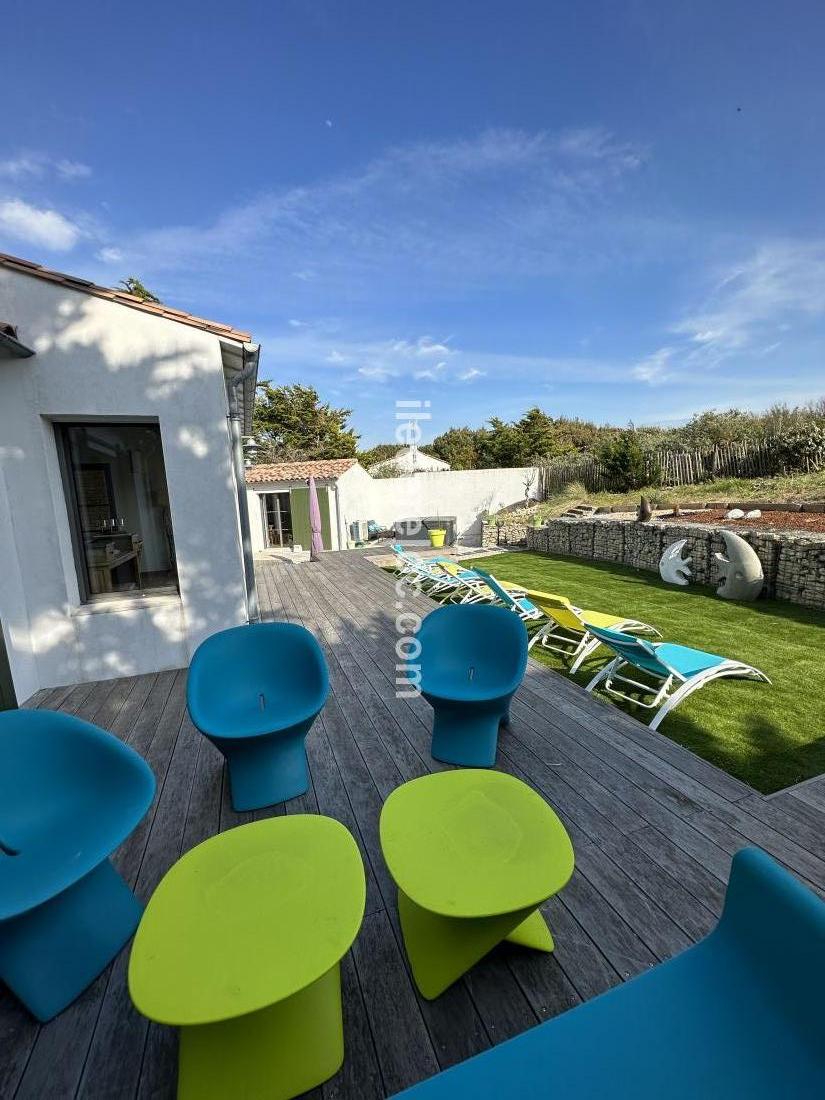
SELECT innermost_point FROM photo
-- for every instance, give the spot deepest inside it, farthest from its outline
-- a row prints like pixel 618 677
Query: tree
pixel 291 423
pixel 134 286
pixel 628 467
pixel 539 436
pixel 459 447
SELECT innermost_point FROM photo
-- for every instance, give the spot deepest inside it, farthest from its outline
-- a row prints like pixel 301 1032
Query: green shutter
pixel 301 531
pixel 299 505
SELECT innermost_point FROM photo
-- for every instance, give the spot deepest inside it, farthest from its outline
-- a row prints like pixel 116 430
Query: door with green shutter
pixel 299 506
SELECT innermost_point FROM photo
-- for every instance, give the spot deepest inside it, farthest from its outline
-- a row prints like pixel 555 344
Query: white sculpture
pixel 756 513
pixel 741 570
pixel 734 513
pixel 673 568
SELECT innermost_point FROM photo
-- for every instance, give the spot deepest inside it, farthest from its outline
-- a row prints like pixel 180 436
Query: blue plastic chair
pixel 473 658
pixel 70 793
pixel 255 691
pixel 737 1015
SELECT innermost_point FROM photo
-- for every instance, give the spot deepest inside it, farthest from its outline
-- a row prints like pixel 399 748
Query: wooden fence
pixel 672 468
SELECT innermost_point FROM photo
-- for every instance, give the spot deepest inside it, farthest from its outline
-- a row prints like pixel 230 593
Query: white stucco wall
pixel 96 359
pixel 465 494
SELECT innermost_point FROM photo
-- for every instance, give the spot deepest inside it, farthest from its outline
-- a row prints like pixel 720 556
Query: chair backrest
pixel 498 589
pixel 777 926
pixel 490 640
pixel 636 651
pixel 278 660
pixel 64 783
pixel 558 608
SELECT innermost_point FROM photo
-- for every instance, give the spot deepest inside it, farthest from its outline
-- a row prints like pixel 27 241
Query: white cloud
pixel 335 356
pixel 72 170
pixel 503 204
pixel 433 373
pixel 35 165
pixel 110 255
pixel 295 323
pixel 37 226
pixel 328 123
pixel 471 374
pixel 777 289
pixel 654 369
pixel 15 168
pixel 377 374
pixel 779 286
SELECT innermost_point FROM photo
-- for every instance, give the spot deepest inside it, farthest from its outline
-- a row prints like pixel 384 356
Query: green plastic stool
pixel 240 947
pixel 474 854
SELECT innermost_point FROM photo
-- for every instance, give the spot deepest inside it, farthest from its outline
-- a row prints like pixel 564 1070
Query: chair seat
pixel 688 662
pixel 700 1026
pixel 244 716
pixel 440 686
pixel 48 863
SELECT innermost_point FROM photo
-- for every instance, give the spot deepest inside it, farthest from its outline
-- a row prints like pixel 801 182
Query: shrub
pixel 801 448
pixel 628 465
pixel 389 469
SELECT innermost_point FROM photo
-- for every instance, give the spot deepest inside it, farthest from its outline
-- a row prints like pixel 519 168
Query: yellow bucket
pixel 437 537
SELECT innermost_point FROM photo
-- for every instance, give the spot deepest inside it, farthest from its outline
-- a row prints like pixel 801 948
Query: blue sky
pixel 610 209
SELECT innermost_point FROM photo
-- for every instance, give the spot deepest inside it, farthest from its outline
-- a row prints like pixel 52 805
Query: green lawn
pixel 769 735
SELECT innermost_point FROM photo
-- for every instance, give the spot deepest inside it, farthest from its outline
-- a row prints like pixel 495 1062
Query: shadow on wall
pixel 92 362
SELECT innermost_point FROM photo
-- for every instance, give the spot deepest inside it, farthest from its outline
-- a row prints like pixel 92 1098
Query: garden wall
pixel 793 562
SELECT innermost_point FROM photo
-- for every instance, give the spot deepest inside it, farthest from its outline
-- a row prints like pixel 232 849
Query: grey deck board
pixel 653 826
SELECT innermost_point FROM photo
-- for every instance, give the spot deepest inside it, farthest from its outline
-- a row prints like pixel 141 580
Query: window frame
pixel 69 485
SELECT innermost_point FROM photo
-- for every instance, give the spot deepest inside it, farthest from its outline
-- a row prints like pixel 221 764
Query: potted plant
pixel 437 534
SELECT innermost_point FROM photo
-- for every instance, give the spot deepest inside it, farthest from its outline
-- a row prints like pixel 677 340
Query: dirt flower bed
pixel 771 521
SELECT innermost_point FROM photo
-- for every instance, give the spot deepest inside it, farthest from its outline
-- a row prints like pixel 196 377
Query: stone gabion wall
pixel 793 562
pixel 503 534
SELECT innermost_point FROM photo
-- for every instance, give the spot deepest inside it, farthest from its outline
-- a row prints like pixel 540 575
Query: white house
pixel 410 460
pixel 122 502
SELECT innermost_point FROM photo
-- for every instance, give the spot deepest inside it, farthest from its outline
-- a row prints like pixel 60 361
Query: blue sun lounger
pixel 676 671
pixel 737 1015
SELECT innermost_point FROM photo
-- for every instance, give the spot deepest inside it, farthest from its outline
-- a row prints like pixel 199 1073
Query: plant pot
pixel 437 537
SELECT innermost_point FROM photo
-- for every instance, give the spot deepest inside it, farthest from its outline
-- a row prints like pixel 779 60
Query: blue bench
pixel 740 1014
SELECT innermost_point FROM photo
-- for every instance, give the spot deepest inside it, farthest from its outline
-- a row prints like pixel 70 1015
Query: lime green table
pixel 474 854
pixel 240 947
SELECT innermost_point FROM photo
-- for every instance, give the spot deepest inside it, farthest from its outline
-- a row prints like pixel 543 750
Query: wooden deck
pixel 653 827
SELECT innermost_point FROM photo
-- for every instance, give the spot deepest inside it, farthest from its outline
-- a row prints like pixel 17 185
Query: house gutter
pixel 250 359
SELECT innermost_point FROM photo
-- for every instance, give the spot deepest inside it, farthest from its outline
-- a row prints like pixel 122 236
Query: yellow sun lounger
pixel 567 630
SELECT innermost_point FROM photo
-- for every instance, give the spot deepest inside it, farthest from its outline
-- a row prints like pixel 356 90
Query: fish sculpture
pixel 673 568
pixel 739 568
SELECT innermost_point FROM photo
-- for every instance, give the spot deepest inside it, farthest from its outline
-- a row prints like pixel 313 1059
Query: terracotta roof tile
pixel 297 471
pixel 123 297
